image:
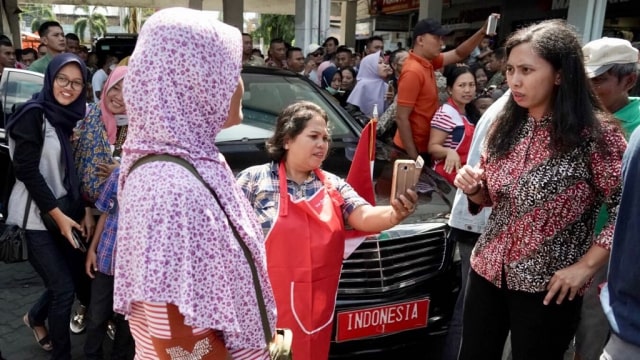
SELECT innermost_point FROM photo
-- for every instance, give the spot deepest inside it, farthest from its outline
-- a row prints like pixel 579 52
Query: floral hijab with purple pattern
pixel 174 242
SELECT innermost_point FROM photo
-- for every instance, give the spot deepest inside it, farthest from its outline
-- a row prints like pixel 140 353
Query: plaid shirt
pixel 108 202
pixel 261 185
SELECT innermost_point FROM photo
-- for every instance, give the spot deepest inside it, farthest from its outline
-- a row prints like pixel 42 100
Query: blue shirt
pixel 621 297
pixel 108 202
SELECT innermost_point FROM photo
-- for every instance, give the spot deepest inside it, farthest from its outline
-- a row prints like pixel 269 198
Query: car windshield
pixel 265 96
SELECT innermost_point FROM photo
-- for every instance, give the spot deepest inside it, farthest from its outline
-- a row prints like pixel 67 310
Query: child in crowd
pixel 100 267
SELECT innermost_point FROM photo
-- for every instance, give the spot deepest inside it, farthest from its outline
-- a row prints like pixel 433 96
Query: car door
pixel 16 87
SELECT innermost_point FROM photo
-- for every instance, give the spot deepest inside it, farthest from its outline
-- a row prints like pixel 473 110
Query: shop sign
pixel 397 6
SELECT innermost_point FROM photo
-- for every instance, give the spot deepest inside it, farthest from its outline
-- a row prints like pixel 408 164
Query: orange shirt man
pixel 417 90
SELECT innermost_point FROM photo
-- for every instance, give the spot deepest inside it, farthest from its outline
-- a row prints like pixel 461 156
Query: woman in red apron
pixel 303 210
pixel 451 128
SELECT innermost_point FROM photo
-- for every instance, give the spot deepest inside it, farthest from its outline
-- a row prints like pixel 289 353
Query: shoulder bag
pixel 13 241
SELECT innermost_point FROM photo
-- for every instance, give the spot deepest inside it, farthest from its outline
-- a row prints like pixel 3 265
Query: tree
pixel 94 21
pixel 133 18
pixel 273 26
pixel 38 13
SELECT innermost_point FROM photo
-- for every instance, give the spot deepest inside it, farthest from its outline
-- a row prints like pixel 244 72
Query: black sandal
pixel 45 341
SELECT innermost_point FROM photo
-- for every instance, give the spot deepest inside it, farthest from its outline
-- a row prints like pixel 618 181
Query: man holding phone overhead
pixel 417 91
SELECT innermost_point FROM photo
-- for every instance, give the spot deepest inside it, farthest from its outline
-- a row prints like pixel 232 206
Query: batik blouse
pixel 545 205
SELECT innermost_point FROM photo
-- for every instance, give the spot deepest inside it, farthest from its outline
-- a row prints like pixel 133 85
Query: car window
pixel 18 87
pixel 265 95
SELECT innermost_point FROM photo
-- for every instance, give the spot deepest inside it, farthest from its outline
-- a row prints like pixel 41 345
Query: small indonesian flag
pixel 360 176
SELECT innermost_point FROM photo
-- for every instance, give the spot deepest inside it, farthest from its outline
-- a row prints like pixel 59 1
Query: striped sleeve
pixel 442 120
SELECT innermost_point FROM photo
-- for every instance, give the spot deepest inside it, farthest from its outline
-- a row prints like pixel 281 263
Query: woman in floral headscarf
pixel 180 275
pixel 101 135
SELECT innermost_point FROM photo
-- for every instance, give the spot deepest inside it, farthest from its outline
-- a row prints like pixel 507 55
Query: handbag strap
pixel 247 253
pixel 27 207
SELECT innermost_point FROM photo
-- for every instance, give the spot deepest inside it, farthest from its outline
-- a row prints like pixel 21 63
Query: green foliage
pixel 274 26
pixel 94 21
pixel 38 13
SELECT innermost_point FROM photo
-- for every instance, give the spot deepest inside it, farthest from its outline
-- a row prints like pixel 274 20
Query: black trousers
pixel 538 331
pixel 99 312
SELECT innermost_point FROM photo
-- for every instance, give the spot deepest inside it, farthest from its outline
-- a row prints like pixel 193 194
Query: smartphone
pixel 405 176
pixel 492 24
pixel 77 240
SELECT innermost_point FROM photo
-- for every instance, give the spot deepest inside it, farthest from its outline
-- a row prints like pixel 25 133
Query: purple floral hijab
pixel 173 247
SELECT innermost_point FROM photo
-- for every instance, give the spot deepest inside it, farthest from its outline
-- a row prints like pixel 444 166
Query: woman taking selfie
pixel 40 146
pixel 304 210
pixel 552 159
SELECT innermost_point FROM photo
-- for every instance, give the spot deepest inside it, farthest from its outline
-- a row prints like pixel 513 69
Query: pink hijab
pixel 174 241
pixel 321 68
pixel 108 118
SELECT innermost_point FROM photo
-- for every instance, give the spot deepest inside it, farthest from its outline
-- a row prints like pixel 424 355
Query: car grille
pixel 380 265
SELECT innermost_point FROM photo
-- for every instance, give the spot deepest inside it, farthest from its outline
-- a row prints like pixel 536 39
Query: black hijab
pixel 63 118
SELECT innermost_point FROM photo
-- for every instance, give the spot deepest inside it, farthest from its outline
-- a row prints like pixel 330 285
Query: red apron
pixel 304 260
pixel 462 149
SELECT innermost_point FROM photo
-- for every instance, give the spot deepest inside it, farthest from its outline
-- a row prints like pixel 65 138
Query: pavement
pixel 20 287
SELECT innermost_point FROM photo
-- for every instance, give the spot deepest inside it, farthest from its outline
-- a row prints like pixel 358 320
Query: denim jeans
pixel 59 266
pixel 99 312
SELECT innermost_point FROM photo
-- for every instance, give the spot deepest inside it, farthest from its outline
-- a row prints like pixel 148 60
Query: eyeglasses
pixel 63 82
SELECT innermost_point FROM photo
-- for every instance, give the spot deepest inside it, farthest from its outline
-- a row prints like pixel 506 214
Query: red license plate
pixel 386 319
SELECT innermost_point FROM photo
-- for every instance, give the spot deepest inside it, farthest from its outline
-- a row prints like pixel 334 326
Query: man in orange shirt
pixel 417 90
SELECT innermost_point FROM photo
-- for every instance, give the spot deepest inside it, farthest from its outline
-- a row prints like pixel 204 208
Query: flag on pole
pixel 360 176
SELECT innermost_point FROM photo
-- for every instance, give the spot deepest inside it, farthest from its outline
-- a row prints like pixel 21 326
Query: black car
pixel 397 289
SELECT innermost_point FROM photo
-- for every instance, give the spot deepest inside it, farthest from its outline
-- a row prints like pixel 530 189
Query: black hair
pixel 374 38
pixel 247 34
pixel 332 39
pixel 452 72
pixel 500 53
pixel 5 42
pixel 622 70
pixel 278 41
pixel 290 123
pixel 343 49
pixel 292 49
pixel 43 30
pixel 31 51
pixel 576 111
pixel 72 36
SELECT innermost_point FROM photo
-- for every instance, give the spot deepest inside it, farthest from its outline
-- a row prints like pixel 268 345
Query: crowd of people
pixel 533 134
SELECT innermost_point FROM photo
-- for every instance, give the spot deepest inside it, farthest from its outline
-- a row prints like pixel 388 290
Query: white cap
pixel 600 55
pixel 312 48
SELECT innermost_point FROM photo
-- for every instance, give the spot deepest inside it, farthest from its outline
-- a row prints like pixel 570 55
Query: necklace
pixel 121 137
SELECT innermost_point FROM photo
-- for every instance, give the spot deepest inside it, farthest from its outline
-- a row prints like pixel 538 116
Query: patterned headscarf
pixel 174 248
pixel 108 118
pixel 370 88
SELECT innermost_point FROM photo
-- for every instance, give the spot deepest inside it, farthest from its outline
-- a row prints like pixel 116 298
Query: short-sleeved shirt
pixel 41 64
pixel 262 187
pixel 97 82
pixel 108 203
pixel 450 121
pixel 417 88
